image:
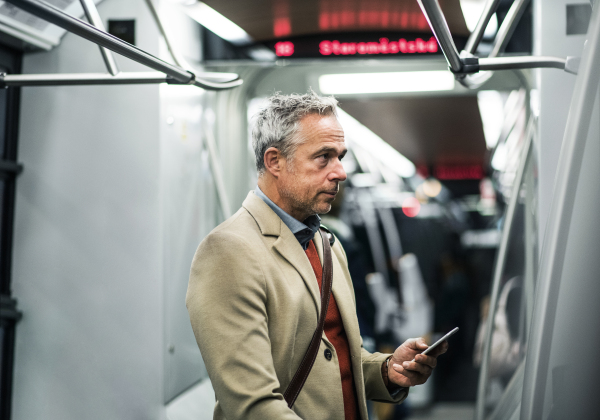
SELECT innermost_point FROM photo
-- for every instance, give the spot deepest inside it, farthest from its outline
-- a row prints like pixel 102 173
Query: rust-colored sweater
pixel 336 334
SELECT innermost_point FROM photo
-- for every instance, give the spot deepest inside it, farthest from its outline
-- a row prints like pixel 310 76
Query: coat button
pixel 328 354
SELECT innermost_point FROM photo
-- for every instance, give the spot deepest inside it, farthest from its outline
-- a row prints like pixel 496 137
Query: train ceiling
pixel 265 20
pixel 430 131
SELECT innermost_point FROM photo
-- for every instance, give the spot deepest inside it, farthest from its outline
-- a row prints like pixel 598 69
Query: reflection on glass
pixel 513 306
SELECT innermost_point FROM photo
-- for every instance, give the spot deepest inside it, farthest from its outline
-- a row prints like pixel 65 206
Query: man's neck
pixel 269 188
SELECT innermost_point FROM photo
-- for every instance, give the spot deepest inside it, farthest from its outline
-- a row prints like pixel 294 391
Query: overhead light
pixel 432 187
pixel 491 108
pixel 411 207
pixel 217 23
pixel 183 2
pixel 371 143
pixel 392 82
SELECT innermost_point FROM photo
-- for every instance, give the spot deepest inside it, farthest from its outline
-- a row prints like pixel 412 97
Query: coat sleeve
pixel 226 300
pixel 374 386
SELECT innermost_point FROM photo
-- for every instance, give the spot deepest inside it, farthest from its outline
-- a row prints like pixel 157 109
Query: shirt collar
pixel 303 232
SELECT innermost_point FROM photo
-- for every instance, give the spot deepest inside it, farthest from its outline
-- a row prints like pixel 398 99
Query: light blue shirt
pixel 304 232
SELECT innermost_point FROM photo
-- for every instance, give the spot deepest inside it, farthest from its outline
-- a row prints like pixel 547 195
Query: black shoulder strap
pixel 295 386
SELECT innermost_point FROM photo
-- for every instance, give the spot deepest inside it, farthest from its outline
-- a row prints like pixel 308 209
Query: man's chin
pixel 323 208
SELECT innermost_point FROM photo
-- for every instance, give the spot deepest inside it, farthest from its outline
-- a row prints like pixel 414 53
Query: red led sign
pixel 460 172
pixel 384 46
pixel 284 49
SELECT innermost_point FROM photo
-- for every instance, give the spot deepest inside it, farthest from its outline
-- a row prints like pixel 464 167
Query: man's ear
pixel 273 161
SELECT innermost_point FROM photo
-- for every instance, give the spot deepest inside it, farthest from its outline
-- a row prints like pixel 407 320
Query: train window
pixel 513 306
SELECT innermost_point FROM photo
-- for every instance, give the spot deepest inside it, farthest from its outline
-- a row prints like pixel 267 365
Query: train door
pixel 10 62
pixel 564 326
pixel 540 309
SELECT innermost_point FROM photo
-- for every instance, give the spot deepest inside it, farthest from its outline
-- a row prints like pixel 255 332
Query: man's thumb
pixel 417 343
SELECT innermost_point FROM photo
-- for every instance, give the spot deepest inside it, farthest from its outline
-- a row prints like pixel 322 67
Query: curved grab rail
pixel 476 36
pixel 201 78
pixel 465 64
pixel 103 39
pixel 506 30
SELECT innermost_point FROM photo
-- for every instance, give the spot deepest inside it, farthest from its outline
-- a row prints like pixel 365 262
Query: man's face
pixel 309 180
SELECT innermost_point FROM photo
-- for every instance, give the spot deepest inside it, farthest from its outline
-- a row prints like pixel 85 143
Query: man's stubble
pixel 293 193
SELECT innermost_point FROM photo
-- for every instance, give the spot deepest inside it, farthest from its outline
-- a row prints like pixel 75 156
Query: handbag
pixel 295 386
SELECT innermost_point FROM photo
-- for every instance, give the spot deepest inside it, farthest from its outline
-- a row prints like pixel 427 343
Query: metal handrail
pixel 92 33
pixel 476 36
pixel 89 8
pixel 466 64
pixel 521 62
pixel 178 59
pixel 439 26
pixel 78 79
pixel 508 26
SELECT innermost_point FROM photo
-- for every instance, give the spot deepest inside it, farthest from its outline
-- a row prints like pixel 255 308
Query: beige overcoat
pixel 254 302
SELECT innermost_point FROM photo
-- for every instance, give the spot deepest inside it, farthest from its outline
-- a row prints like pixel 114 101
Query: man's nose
pixel 338 173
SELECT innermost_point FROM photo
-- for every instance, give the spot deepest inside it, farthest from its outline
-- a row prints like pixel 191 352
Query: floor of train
pixel 446 411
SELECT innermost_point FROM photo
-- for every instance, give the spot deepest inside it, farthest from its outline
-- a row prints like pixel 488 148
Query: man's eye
pixel 324 156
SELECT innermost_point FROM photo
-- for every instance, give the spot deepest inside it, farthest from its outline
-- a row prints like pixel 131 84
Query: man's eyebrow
pixel 325 149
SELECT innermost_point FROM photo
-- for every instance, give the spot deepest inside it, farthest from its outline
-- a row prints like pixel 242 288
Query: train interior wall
pixel 118 190
pixel 117 195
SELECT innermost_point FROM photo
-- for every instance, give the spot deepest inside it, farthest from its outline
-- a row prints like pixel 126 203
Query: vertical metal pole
pixel 217 171
pixel 91 12
pixel 180 61
pixel 482 23
pixel 508 26
pixel 433 12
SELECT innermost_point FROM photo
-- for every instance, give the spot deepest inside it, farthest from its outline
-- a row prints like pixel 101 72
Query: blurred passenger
pixel 506 349
pixel 454 293
pixel 253 296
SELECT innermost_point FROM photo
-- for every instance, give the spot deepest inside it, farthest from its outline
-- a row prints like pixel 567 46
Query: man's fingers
pixel 416 343
pixel 417 367
pixel 426 360
pixel 412 375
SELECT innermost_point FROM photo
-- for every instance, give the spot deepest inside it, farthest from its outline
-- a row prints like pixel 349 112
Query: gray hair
pixel 277 124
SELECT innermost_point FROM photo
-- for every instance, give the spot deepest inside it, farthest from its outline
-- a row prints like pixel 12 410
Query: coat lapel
pixel 286 243
pixel 289 248
pixel 347 307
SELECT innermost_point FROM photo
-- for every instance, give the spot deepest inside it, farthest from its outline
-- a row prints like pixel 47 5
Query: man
pixel 254 296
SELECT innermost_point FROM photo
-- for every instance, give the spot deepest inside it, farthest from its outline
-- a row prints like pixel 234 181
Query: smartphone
pixel 440 341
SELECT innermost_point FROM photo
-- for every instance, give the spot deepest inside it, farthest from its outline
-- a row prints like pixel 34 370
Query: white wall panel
pixel 116 195
pixel 189 213
pixel 87 267
pixel 555 91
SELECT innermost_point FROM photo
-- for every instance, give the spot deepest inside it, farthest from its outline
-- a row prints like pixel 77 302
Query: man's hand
pixel 403 372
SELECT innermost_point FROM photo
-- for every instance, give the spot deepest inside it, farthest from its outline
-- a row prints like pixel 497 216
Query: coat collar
pixel 268 222
pixel 286 244
pixel 290 249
